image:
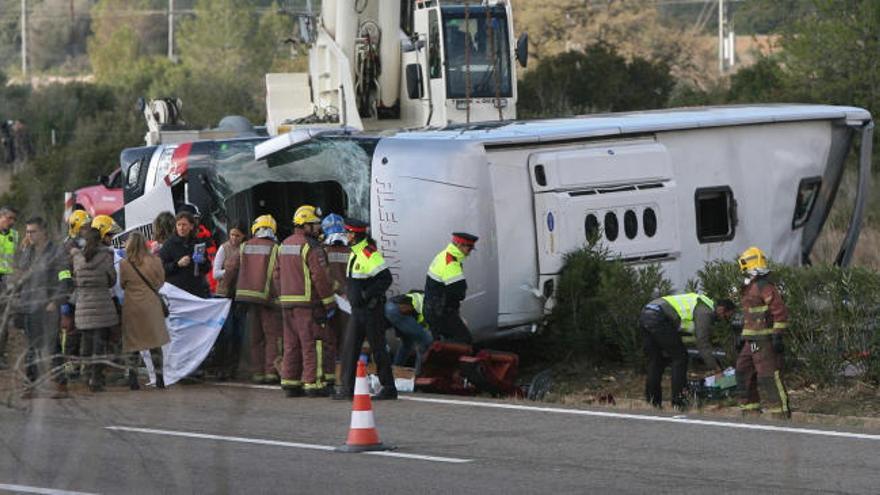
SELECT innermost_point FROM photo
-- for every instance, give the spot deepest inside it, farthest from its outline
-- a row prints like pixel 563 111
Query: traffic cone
pixel 362 436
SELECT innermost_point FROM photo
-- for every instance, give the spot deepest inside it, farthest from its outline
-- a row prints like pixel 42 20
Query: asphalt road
pixel 213 439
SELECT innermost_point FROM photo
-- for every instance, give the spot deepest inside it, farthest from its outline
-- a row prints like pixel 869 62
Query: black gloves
pixel 778 346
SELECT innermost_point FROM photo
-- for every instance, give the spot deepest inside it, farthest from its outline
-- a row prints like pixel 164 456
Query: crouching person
pixel 406 314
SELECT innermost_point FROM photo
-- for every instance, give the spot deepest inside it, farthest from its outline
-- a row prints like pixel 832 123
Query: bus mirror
pixel 522 50
pixel 414 81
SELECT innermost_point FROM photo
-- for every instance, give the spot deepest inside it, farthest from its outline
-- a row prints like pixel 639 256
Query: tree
pixel 596 80
pixel 634 28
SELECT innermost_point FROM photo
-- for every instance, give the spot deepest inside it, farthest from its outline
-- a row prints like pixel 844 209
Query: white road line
pixel 278 443
pixel 36 489
pixel 645 417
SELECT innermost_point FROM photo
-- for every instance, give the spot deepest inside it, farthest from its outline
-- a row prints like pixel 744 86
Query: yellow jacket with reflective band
pixel 364 261
pixel 8 247
pixel 445 285
pixel 418 302
pixel 684 305
pixel 258 258
pixel 302 273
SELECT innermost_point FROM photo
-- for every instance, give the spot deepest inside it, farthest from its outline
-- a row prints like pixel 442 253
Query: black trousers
pixel 447 325
pixel 369 323
pixel 663 346
pixel 94 344
pixel 44 346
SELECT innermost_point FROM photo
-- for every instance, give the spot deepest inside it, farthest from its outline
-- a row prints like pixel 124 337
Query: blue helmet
pixel 333 224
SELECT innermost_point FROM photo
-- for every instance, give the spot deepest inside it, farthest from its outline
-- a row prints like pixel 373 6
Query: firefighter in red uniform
pixel 305 293
pixel 254 287
pixel 336 246
pixel 759 365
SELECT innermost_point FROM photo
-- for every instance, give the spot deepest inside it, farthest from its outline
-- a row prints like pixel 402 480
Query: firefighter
pixel 9 240
pixel 305 293
pixel 336 247
pixel 669 325
pixel 254 287
pixel 445 289
pixel 70 338
pixel 107 227
pixel 765 317
pixel 367 279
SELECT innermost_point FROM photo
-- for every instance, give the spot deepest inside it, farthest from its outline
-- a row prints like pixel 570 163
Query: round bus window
pixel 649 221
pixel 630 224
pixel 611 226
pixel 591 228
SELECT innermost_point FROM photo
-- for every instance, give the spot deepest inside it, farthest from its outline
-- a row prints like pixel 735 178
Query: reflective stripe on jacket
pixel 684 305
pixel 367 275
pixel 258 257
pixel 301 276
pixel 445 285
pixel 337 257
pixel 764 312
pixel 8 246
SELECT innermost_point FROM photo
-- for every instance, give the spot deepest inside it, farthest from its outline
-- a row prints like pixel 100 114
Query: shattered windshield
pixel 344 161
pixel 476 46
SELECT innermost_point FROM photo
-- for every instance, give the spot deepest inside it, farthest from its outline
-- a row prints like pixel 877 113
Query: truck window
pixel 716 214
pixel 482 41
pixel 435 67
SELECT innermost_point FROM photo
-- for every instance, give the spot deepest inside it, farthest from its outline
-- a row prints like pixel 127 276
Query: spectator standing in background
pixel 95 313
pixel 143 321
pixel 228 348
pixel 184 267
pixel 39 300
pixel 163 229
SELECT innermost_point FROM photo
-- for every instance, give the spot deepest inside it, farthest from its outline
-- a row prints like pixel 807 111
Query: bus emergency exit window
pixel 808 191
pixel 716 214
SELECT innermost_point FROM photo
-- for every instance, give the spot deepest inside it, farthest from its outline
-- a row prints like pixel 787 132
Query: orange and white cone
pixel 362 436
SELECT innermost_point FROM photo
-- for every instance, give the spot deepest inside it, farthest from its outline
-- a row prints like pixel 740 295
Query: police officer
pixel 254 287
pixel 445 289
pixel 9 240
pixel 367 279
pixel 765 317
pixel 305 293
pixel 669 324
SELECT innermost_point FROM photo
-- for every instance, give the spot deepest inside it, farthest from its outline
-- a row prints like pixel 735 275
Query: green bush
pixel 833 316
pixel 598 301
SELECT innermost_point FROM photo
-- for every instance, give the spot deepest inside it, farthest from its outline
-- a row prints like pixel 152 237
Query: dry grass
pixel 867 252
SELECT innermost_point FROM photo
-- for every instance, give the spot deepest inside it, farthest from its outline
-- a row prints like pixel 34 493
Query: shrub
pixel 598 301
pixel 833 316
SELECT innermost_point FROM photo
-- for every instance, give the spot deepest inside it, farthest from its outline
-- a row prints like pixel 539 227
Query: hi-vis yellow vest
pixel 8 245
pixel 684 305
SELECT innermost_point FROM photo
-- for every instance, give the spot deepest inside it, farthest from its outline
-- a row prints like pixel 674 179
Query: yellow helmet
pixel 77 220
pixel 105 225
pixel 264 222
pixel 306 214
pixel 752 260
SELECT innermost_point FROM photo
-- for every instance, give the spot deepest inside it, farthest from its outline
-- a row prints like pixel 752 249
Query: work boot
pixel 387 393
pixel 312 392
pixel 160 381
pixel 291 392
pixel 61 391
pixel 271 379
pixel 257 378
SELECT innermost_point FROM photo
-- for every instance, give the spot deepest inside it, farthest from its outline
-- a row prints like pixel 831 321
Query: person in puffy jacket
pixel 95 313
